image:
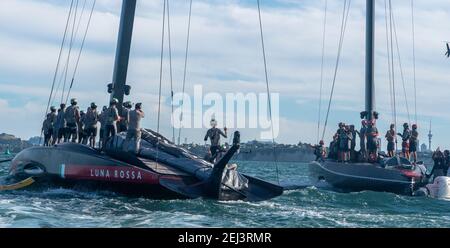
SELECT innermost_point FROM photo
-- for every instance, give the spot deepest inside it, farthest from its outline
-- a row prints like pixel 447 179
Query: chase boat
pixel 396 174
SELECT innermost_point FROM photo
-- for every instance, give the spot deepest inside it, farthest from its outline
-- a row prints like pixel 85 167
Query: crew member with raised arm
pixel 214 136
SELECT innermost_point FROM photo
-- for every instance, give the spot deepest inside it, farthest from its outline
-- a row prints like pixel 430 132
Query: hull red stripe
pixel 123 174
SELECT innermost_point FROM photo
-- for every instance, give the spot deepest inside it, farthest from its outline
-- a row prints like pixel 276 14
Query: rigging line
pixel 401 67
pixel 389 71
pixel 70 50
pixel 321 70
pixel 389 61
pixel 414 58
pixel 345 14
pixel 81 17
pixel 185 71
pixel 81 49
pixel 59 58
pixel 391 92
pixel 76 34
pixel 161 65
pixel 171 70
pixel 72 43
pixel 60 81
pixel 268 89
pixel 58 64
pixel 394 95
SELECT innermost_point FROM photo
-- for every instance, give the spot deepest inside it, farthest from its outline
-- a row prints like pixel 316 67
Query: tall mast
pixel 370 49
pixel 119 87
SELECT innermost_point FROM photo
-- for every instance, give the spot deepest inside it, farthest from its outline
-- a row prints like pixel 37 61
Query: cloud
pixel 225 56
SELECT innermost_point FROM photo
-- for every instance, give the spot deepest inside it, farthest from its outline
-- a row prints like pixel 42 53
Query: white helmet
pixel 213 122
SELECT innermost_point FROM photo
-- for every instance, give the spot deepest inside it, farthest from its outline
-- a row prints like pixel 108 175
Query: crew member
pixel 372 141
pixel 134 127
pixel 60 123
pixel 47 129
pixel 102 120
pixel 353 133
pixel 345 139
pixel 446 161
pixel 112 117
pixel 82 139
pixel 333 153
pixel 53 117
pixel 390 137
pixel 439 164
pixel 320 151
pixel 72 117
pixel 362 140
pixel 405 140
pixel 214 135
pixel 123 123
pixel 90 124
pixel 413 140
pixel 340 133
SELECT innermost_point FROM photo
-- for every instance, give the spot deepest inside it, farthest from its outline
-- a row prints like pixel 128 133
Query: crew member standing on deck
pixel 345 143
pixel 372 141
pixel 340 133
pixel 81 129
pixel 320 151
pixel 72 117
pixel 90 124
pixel 102 120
pixel 123 123
pixel 390 137
pixel 353 133
pixel 60 125
pixel 362 140
pixel 46 129
pixel 413 140
pixel 53 117
pixel 134 128
pixel 214 135
pixel 405 140
pixel 112 117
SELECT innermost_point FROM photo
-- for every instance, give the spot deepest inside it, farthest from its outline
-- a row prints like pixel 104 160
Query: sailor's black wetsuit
pixel 214 135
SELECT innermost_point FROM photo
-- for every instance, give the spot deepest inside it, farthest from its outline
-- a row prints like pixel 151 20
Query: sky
pixel 225 56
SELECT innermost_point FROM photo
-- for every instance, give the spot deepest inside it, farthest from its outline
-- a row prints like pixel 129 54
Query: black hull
pixel 99 175
pixel 166 172
pixel 155 191
pixel 354 177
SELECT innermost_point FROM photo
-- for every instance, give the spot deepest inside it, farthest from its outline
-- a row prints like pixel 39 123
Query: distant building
pixel 423 148
pixel 35 141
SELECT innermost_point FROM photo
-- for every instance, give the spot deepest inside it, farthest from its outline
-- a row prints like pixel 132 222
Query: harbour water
pixel 307 207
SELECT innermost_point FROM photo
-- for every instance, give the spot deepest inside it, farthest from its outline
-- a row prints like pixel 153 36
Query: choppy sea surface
pixel 306 207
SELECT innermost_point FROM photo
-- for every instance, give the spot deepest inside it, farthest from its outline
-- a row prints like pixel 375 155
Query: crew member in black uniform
pixel 214 135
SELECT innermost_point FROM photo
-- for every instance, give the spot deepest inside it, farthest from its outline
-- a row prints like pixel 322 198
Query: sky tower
pixel 430 136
